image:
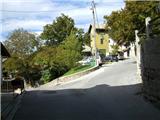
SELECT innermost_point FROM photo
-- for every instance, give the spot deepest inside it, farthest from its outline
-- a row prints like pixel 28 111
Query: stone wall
pixel 148 61
pixel 150 67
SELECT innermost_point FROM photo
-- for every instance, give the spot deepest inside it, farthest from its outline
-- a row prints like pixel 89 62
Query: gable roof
pixel 4 52
pixel 99 28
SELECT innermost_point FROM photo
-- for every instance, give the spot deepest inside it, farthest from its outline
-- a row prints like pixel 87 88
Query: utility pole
pixel 94 30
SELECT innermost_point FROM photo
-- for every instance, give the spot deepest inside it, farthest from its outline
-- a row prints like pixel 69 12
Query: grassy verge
pixel 78 69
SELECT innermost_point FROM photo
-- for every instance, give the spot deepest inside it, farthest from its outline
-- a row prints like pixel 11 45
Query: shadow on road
pixel 101 102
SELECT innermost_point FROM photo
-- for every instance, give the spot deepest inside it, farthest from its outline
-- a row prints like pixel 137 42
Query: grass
pixel 78 69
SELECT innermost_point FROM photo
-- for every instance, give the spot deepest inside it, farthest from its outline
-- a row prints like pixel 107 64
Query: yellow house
pixel 102 39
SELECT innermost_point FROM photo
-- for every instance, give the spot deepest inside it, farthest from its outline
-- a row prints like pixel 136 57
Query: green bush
pixel 52 72
pixel 45 76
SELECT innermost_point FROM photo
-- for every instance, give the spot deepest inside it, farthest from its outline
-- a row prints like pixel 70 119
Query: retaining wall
pixel 68 78
pixel 150 67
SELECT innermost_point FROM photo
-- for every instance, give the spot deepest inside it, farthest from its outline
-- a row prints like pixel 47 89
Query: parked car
pixel 121 56
pixel 111 58
pixel 85 60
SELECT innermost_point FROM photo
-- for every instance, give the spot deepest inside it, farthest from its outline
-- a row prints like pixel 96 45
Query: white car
pixel 85 61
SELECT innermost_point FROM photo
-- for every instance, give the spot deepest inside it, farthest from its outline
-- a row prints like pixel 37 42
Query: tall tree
pixel 21 43
pixel 71 50
pixel 121 27
pixel 55 61
pixel 56 32
pixel 139 10
pixel 121 24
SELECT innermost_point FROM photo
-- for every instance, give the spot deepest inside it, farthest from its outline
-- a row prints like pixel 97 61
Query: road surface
pixel 110 93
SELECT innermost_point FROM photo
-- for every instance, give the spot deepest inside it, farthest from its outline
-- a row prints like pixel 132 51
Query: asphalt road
pixel 110 93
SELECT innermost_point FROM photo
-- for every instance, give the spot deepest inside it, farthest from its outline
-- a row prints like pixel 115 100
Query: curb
pixel 76 75
pixel 64 79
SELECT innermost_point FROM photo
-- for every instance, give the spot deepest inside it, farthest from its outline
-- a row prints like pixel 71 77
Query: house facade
pixel 102 39
pixel 4 54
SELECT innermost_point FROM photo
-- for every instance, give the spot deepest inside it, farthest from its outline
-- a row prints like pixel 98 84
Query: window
pixel 101 40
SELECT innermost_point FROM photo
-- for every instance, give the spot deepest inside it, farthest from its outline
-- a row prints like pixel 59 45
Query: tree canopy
pixel 21 43
pixel 60 53
pixel 122 24
pixel 87 39
pixel 56 32
pixel 56 60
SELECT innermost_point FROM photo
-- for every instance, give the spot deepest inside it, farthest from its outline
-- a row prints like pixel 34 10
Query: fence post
pixel 138 58
pixel 148 27
pixel 133 51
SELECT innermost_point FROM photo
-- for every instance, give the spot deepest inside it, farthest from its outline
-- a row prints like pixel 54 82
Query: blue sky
pixel 32 15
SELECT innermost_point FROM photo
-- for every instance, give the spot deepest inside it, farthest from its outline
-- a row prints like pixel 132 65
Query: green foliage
pixel 52 72
pixel 71 50
pixel 13 64
pixel 46 63
pixel 122 24
pixel 45 56
pixel 21 43
pixel 56 32
pixel 102 52
pixel 35 73
pixel 115 49
pixel 55 61
pixel 46 75
pixel 78 69
pixel 140 10
pixel 87 40
pixel 122 29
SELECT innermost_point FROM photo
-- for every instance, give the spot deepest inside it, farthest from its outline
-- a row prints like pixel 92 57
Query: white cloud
pixel 38 15
pixel 38 32
pixel 84 26
pixel 2 38
pixel 26 24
